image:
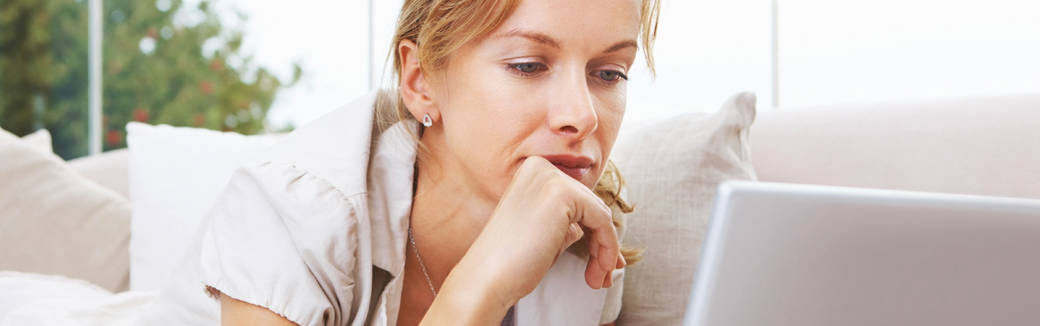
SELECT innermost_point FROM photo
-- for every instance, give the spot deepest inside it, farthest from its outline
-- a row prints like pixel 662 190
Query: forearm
pixel 467 298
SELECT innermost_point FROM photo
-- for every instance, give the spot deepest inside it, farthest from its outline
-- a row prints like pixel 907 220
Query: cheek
pixel 611 112
pixel 486 132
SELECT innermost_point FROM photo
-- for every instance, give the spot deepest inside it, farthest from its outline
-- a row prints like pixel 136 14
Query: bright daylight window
pixel 259 66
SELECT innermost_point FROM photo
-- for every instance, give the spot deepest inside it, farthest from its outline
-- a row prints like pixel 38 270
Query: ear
pixel 415 90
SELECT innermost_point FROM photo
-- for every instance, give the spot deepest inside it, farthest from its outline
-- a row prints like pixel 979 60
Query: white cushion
pixel 672 169
pixel 34 299
pixel 39 140
pixel 176 174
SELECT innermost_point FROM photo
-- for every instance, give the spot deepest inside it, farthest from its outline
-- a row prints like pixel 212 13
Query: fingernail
pixel 621 261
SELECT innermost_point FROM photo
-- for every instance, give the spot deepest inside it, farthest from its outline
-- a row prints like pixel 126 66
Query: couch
pixel 978 145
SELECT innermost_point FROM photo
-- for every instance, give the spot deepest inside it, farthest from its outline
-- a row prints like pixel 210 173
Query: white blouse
pixel 317 233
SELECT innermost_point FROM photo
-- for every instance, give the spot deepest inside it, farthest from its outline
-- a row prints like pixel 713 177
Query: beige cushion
pixel 672 169
pixel 108 169
pixel 53 221
pixel 976 145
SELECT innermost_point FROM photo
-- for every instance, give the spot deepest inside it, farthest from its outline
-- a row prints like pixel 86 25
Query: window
pixel 856 51
pixel 327 39
pixel 705 52
pixel 43 71
pixel 256 66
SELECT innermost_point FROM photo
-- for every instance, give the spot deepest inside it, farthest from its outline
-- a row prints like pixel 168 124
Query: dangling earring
pixel 426 121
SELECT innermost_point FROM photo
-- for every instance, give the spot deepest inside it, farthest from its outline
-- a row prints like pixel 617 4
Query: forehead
pixel 577 23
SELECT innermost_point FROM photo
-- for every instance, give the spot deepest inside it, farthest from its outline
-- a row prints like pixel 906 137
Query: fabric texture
pixel 280 239
pixel 53 221
pixel 672 170
pixel 175 176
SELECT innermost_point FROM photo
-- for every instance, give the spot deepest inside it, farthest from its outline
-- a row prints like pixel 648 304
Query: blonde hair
pixel 441 27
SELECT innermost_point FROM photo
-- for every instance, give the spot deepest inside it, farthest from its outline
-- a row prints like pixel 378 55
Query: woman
pixel 459 221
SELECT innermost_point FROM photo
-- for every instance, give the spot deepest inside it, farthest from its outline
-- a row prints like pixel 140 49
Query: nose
pixel 574 116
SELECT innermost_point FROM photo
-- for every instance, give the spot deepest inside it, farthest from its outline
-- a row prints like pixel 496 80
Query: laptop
pixel 784 254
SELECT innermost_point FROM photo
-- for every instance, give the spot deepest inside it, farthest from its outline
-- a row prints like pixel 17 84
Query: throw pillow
pixel 39 139
pixel 54 221
pixel 672 169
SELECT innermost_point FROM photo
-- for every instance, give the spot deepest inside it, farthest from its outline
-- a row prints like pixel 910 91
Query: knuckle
pixel 533 168
pixel 535 163
pixel 556 189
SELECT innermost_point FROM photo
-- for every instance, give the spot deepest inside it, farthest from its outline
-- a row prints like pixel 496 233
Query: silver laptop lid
pixel 780 254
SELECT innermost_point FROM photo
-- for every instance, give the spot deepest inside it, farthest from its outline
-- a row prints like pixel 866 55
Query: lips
pixel 575 166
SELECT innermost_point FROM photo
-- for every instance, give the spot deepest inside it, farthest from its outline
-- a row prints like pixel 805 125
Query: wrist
pixel 468 297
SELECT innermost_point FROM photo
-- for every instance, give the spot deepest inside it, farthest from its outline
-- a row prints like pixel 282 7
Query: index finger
pixel 603 246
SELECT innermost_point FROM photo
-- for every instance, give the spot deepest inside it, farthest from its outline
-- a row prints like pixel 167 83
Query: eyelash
pixel 515 68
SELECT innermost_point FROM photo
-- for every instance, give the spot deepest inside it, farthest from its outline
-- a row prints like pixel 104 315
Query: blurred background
pixel 254 66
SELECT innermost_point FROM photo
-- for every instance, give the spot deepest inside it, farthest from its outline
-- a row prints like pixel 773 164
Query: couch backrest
pixel 983 145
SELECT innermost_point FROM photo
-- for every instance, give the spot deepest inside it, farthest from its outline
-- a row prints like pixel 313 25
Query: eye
pixel 611 75
pixel 527 68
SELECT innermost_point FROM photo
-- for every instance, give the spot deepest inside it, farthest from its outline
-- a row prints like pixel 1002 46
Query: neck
pixel 447 215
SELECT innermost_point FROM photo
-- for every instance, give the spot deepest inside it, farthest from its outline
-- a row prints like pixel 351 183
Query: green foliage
pixel 43 71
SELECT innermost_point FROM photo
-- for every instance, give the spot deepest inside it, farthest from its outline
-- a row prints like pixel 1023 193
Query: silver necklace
pixel 411 239
pixel 510 318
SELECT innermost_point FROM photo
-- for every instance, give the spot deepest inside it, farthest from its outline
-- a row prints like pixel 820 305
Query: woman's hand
pixel 541 213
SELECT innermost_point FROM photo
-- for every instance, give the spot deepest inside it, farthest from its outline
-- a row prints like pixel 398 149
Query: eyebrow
pixel 547 40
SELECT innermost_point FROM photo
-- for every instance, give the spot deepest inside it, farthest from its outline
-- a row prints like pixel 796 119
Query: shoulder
pixel 292 193
pixel 335 147
pixel 287 240
pixel 290 230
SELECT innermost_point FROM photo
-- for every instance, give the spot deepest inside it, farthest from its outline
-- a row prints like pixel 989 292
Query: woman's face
pixel 550 81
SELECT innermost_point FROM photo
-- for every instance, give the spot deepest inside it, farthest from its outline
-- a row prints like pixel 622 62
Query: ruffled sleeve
pixel 285 240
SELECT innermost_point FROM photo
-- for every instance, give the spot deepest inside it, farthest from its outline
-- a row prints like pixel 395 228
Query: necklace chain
pixel 426 273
